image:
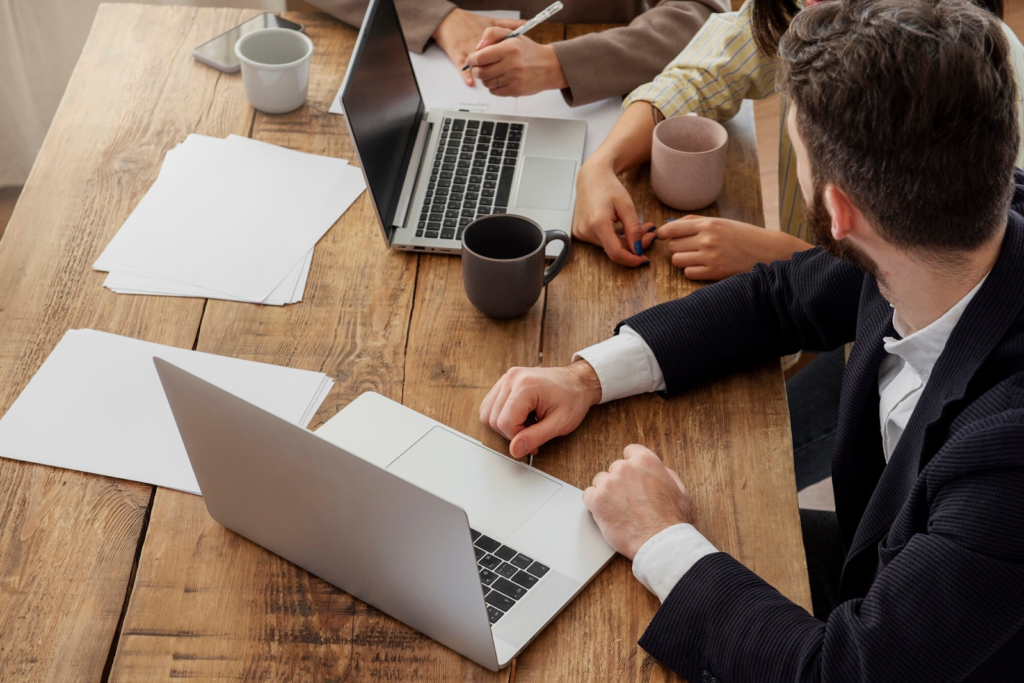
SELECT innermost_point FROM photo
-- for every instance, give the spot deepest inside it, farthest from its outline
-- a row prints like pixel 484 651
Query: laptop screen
pixel 383 104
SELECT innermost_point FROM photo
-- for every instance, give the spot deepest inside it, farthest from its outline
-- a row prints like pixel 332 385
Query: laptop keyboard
pixel 506 574
pixel 471 176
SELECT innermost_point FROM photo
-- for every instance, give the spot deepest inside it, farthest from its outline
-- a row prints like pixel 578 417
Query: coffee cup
pixel 275 68
pixel 503 263
pixel 688 156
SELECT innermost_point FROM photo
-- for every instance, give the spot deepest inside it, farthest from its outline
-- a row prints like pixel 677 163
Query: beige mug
pixel 688 161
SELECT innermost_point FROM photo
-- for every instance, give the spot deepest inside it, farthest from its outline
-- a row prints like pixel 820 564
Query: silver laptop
pixel 463 544
pixel 432 172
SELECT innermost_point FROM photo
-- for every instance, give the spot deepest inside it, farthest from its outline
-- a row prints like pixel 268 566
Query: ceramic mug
pixel 503 263
pixel 688 161
pixel 275 68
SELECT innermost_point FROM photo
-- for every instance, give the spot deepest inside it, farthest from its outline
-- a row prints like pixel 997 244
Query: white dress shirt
pixel 626 366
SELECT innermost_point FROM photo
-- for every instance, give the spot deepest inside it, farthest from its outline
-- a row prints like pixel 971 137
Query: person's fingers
pixel 505 90
pixel 677 480
pixel 512 418
pixel 488 402
pixel 688 259
pixel 691 243
pixel 598 478
pixel 488 73
pixel 486 52
pixel 616 249
pixel 647 240
pixel 588 497
pixel 632 230
pixel 533 437
pixel 499 403
pixel 699 273
pixel 511 24
pixel 682 227
pixel 467 75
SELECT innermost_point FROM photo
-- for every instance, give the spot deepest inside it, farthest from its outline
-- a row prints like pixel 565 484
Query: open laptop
pixel 432 172
pixel 465 545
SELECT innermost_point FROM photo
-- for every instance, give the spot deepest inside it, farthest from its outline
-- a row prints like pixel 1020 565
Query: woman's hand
pixel 715 248
pixel 462 32
pixel 601 203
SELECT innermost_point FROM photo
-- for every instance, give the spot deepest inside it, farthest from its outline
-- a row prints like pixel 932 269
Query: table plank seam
pixel 408 325
pixel 115 642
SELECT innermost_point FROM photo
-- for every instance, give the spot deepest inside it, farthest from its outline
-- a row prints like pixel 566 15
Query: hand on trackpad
pixel 546 183
pixel 497 493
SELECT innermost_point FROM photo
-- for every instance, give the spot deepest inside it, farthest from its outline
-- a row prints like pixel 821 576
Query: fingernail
pixel 521 450
pixel 644 264
pixel 638 248
pixel 653 228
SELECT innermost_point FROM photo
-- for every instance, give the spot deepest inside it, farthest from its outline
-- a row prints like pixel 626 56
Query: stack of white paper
pixel 442 87
pixel 97 405
pixel 232 219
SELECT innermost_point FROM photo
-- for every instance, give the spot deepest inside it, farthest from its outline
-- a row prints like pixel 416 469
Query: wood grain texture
pixel 208 603
pixel 68 540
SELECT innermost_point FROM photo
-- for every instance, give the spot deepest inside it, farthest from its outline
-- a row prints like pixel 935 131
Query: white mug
pixel 275 68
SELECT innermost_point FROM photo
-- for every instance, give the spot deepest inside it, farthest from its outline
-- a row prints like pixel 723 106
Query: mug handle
pixel 559 235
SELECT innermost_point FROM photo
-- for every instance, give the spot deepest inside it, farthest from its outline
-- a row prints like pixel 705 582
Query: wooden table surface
pixel 109 579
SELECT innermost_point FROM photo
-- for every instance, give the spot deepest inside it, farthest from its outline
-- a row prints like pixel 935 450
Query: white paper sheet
pixel 96 405
pixel 443 88
pixel 233 219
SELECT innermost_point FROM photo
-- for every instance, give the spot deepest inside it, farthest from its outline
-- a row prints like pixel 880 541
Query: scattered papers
pixel 443 88
pixel 231 218
pixel 97 405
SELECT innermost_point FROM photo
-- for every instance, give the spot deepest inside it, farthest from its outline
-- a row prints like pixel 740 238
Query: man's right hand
pixel 558 397
pixel 461 33
pixel 601 202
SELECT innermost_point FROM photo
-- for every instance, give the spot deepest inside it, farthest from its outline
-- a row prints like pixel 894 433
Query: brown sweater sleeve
pixel 616 61
pixel 420 18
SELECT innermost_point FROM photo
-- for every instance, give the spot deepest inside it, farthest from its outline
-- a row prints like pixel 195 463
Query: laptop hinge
pixel 416 159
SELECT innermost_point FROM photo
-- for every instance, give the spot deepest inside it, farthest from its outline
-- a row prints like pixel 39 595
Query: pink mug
pixel 688 161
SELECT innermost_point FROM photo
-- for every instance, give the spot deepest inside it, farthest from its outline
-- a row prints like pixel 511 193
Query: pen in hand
pixel 532 23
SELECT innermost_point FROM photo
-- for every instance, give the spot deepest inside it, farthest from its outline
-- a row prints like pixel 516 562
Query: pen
pixel 532 23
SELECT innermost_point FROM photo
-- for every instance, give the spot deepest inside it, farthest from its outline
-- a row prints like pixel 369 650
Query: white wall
pixel 40 41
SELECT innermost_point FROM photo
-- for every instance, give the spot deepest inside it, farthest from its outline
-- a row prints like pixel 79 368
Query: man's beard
pixel 821 227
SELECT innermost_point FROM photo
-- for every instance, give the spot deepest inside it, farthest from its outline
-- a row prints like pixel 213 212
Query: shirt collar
pixel 922 349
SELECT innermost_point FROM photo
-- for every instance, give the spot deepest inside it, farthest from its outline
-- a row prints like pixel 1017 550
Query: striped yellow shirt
pixel 722 66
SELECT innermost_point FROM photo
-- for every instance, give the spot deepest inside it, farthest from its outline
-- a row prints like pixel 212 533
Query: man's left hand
pixel 637 498
pixel 515 67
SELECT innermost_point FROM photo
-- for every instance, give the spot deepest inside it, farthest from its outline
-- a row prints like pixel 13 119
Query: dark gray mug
pixel 503 263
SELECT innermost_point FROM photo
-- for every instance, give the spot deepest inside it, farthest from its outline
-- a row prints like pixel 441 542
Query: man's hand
pixel 460 34
pixel 715 248
pixel 601 203
pixel 515 67
pixel 559 397
pixel 637 498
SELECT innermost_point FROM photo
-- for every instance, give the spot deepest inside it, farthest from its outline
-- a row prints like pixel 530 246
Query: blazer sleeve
pixel 614 62
pixel 943 604
pixel 420 18
pixel 719 68
pixel 807 303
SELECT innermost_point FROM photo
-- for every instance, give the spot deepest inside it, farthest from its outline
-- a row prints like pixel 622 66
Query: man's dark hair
pixel 909 107
pixel 770 19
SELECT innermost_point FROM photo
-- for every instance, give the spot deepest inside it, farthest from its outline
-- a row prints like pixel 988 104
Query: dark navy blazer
pixel 933 582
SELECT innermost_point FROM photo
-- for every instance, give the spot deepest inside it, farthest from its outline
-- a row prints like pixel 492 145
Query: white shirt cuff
pixel 667 556
pixel 625 365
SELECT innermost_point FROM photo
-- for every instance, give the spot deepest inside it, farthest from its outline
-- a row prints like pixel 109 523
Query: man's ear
pixel 842 210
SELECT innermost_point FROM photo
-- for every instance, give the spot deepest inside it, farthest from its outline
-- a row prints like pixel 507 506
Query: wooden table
pixel 103 578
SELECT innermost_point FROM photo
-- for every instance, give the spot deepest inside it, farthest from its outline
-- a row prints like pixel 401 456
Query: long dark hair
pixel 771 19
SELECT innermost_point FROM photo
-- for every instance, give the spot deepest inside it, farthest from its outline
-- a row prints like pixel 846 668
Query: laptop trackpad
pixel 546 183
pixel 497 493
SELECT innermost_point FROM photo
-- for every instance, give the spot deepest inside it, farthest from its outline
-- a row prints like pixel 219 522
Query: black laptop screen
pixel 383 104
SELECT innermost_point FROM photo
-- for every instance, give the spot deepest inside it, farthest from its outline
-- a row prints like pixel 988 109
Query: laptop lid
pixel 376 536
pixel 383 107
